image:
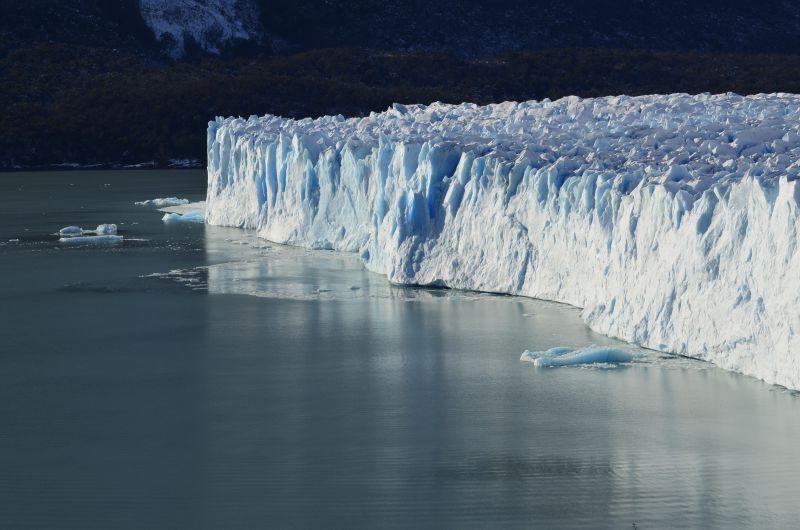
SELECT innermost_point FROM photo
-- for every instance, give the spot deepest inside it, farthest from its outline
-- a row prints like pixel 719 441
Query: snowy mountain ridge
pixel 671 220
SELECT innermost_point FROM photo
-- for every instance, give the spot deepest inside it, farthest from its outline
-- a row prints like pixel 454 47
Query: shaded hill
pixel 86 81
pixel 465 27
pixel 67 109
pixel 475 27
pixel 94 23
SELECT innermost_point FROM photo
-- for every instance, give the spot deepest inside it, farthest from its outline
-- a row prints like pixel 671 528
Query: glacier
pixel 671 220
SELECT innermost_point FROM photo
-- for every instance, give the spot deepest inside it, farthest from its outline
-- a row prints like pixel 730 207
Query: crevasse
pixel 671 220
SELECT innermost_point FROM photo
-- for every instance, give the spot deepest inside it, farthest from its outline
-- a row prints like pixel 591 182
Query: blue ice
pixel 564 356
pixel 188 217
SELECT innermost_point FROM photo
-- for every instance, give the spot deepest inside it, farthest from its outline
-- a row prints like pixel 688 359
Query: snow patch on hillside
pixel 212 24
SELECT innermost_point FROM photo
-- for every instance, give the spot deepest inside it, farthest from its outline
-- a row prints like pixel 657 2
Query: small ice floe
pixel 70 231
pixel 162 202
pixel 564 356
pixel 104 234
pixel 106 230
pixel 188 217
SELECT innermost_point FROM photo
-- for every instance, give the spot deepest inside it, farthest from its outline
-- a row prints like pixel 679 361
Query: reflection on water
pixel 134 400
pixel 291 273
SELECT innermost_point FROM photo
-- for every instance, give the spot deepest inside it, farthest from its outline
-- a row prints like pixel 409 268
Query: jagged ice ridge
pixel 671 220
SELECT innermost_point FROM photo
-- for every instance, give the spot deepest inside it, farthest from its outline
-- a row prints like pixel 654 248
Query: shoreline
pixel 66 167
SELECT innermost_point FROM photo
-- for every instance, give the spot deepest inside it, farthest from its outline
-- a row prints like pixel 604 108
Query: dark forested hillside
pixel 476 27
pixel 86 81
pixel 112 24
pixel 464 27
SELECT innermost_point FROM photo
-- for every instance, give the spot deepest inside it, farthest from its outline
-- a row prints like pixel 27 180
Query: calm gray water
pixel 258 386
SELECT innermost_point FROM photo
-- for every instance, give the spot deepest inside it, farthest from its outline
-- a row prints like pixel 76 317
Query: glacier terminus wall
pixel 671 220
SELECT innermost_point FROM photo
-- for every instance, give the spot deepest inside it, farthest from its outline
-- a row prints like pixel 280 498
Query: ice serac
pixel 671 220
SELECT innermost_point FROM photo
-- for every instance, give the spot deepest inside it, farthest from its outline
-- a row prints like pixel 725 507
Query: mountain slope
pixel 210 25
pixel 474 27
pixel 467 27
pixel 87 81
pixel 90 23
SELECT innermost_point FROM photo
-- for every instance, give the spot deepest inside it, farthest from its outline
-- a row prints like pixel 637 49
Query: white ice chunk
pixel 564 356
pixel 188 217
pixel 106 229
pixel 162 202
pixel 70 231
pixel 75 231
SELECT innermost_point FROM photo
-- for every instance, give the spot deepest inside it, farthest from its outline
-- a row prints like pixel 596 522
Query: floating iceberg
pixel 188 217
pixel 106 229
pixel 75 231
pixel 70 231
pixel 673 221
pixel 162 202
pixel 562 356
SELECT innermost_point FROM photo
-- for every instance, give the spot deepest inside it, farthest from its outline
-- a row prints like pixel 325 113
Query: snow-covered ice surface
pixel 566 356
pixel 162 202
pixel 671 220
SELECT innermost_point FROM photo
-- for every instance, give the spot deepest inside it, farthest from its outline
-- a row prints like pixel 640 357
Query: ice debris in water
pixel 564 356
pixel 162 202
pixel 91 240
pixel 101 230
pixel 106 229
pixel 672 220
pixel 104 234
pixel 188 217
pixel 70 231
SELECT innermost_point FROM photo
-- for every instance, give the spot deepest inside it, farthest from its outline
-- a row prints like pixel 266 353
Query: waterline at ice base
pixel 672 220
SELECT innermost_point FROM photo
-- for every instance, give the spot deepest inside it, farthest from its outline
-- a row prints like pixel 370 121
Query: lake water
pixel 202 378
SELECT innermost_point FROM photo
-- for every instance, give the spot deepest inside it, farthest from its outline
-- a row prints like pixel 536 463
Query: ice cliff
pixel 671 220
